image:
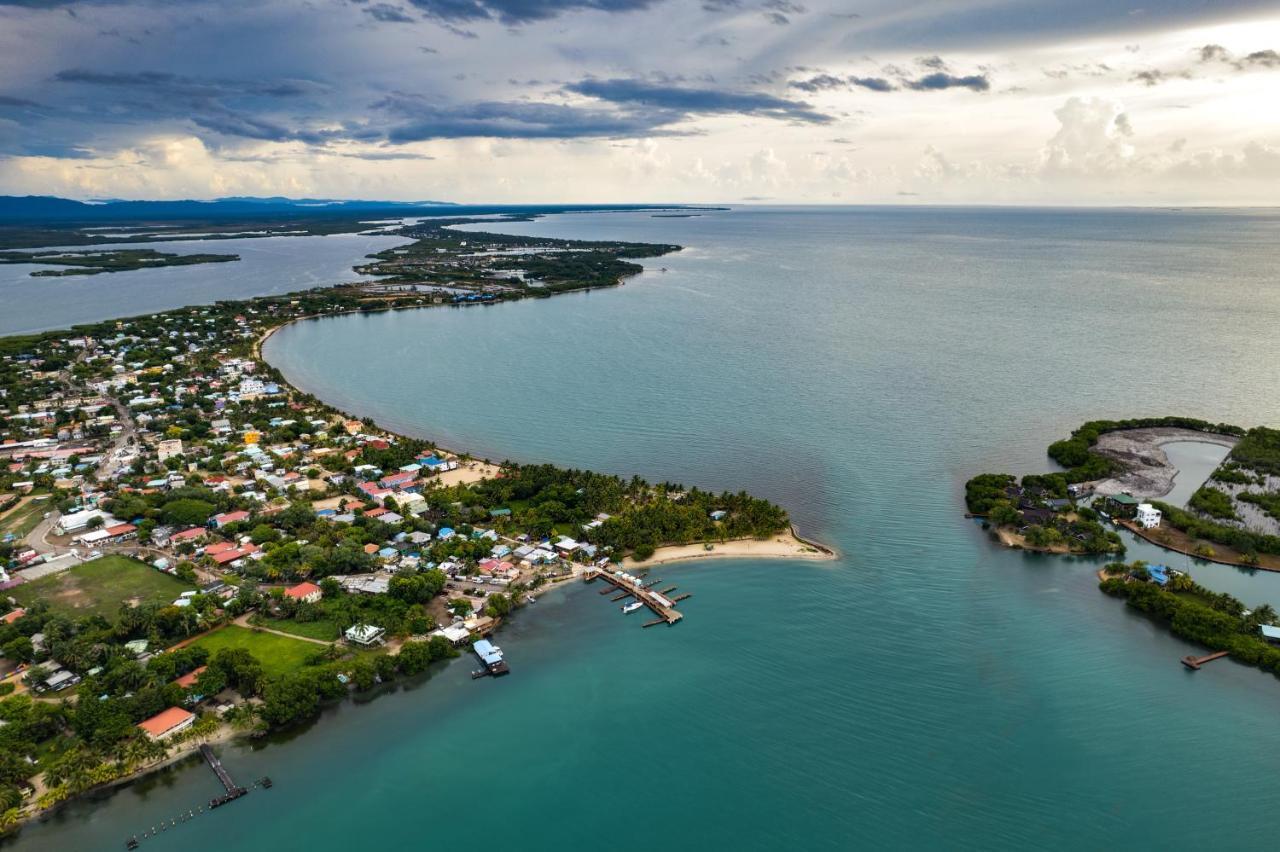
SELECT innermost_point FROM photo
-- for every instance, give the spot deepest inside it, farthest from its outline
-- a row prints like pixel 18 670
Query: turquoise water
pixel 927 690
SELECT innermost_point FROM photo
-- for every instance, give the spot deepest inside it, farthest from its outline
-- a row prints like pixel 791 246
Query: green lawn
pixel 278 654
pixel 326 631
pixel 99 587
pixel 23 520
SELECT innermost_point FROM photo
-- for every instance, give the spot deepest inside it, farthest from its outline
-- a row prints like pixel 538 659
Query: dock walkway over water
pixel 1194 663
pixel 234 790
pixel 659 604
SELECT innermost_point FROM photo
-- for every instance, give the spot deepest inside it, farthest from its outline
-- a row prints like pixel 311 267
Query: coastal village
pixel 191 549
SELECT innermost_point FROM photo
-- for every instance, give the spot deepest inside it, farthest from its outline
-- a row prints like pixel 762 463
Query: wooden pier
pixel 234 791
pixel 660 605
pixel 1194 663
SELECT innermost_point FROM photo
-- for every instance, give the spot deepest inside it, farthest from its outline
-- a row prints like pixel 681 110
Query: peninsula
pixel 205 550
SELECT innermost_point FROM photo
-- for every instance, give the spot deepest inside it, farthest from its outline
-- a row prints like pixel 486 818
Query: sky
pixel 1088 102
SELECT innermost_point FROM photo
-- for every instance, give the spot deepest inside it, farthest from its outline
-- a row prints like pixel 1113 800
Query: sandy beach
pixel 782 546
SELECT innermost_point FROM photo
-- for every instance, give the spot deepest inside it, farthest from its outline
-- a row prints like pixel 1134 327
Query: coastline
pixel 786 545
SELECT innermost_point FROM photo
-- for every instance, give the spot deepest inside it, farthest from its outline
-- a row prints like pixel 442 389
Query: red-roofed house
pixel 11 617
pixel 167 722
pixel 232 555
pixel 120 532
pixel 305 592
pixel 193 534
pixel 225 518
pixel 189 679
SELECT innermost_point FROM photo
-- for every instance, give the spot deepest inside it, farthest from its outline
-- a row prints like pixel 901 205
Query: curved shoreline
pixel 824 552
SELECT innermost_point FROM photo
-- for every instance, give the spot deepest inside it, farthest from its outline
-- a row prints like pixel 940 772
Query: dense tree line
pixel 1211 619
pixel 1195 526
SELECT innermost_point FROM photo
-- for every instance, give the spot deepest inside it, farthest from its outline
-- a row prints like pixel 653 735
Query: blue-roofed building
pixel 1270 632
pixel 445 533
pixel 491 655
pixel 1159 574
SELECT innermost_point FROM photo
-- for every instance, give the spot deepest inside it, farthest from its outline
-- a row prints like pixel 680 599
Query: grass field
pixel 99 587
pixel 278 654
pixel 24 518
pixel 326 631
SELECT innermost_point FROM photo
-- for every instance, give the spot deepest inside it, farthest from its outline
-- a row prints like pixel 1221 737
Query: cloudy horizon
pixel 602 101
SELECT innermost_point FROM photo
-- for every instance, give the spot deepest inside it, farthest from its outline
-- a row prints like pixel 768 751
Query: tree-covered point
pixel 1213 502
pixel 1259 449
pixel 1213 619
pixel 546 499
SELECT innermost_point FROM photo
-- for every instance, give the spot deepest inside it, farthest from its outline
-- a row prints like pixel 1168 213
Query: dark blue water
pixel 927 690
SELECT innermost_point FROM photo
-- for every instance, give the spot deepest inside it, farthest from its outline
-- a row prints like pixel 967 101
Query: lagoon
pixel 267 266
pixel 927 690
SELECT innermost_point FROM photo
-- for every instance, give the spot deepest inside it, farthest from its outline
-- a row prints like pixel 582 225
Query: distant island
pixel 117 260
pixel 194 549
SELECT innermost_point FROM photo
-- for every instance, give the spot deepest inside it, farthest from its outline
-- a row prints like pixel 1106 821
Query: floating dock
pixel 659 604
pixel 1194 663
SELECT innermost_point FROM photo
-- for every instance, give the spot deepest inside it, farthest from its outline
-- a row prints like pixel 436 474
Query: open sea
pixel 928 690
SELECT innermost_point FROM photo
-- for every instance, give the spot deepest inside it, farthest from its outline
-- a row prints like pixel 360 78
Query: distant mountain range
pixel 45 208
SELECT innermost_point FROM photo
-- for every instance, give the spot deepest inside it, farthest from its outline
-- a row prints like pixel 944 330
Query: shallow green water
pixel 928 689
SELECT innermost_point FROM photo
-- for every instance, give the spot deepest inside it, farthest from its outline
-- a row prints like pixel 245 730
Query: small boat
pixel 132 843
pixel 632 607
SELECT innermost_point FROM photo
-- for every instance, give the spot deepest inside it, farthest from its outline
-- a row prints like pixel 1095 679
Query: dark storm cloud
pixel 176 84
pixel 819 83
pixel 941 80
pixel 875 84
pixel 516 12
pixel 421 120
pixel 10 101
pixel 388 13
pixel 826 82
pixel 696 101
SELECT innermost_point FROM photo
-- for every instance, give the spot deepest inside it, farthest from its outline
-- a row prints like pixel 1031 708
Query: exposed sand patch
pixel 467 473
pixel 782 546
pixel 1149 473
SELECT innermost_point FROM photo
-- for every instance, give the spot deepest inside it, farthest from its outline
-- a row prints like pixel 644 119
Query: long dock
pixel 234 790
pixel 1194 663
pixel 660 605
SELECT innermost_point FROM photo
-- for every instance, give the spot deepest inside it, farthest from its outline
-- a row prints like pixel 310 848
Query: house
pixel 1159 574
pixel 10 618
pixel 1270 632
pixel 1148 516
pixel 192 535
pixel 304 592
pixel 456 634
pixel 1122 505
pixel 189 679
pixel 365 635
pixel 167 722
pixel 221 520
